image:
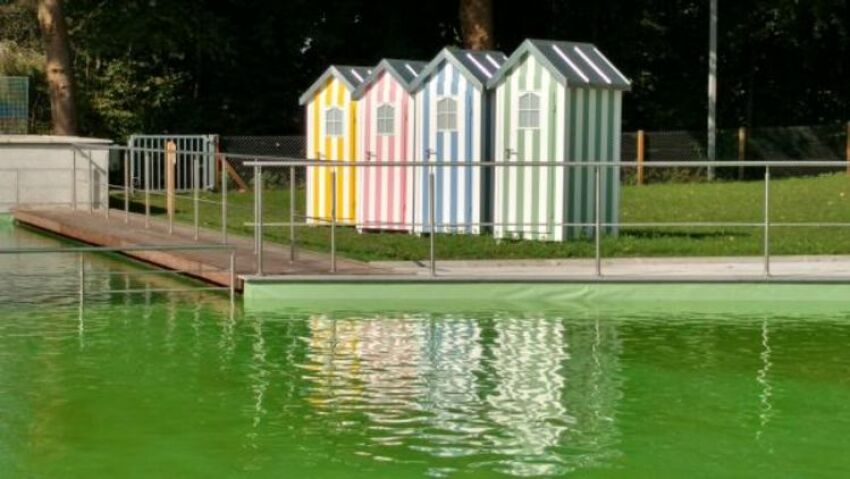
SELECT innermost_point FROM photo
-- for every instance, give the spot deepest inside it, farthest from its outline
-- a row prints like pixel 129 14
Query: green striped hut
pixel 555 102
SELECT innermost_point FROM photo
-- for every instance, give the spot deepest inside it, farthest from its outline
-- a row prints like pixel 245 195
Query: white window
pixel 446 114
pixel 529 110
pixel 386 119
pixel 333 122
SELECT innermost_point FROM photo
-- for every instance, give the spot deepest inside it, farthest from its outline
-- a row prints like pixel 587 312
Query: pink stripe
pixel 367 148
pixel 379 153
pixel 405 105
pixel 392 203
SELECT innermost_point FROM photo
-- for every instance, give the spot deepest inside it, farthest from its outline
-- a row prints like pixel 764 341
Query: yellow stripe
pixel 340 155
pixel 352 179
pixel 328 153
pixel 314 200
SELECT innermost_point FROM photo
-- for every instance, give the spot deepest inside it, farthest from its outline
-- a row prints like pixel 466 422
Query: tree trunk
pixel 60 75
pixel 476 24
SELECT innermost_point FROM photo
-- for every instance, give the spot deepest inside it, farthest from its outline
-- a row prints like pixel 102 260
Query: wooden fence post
pixel 742 150
pixel 640 156
pixel 170 162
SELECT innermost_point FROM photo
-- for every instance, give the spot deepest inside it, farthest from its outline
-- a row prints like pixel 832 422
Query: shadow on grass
pixel 650 234
pixel 135 206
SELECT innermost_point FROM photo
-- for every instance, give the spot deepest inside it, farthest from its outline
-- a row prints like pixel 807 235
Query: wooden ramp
pixel 209 265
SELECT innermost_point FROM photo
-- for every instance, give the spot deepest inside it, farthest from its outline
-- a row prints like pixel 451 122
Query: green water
pixel 173 385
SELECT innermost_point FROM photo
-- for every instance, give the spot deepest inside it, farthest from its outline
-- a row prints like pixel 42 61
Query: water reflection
pixel 509 392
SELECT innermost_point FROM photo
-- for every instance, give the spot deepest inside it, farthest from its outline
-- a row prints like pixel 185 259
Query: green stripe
pixel 597 141
pixel 610 187
pixel 552 119
pixel 585 172
pixel 572 184
pixel 506 138
pixel 520 148
pixel 535 171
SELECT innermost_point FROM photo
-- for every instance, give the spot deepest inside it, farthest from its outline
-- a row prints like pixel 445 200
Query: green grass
pixel 811 199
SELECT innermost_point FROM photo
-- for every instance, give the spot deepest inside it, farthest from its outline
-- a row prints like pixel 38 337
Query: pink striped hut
pixel 387 126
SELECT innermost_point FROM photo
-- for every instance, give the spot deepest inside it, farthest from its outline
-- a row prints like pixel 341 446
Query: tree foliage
pixel 238 66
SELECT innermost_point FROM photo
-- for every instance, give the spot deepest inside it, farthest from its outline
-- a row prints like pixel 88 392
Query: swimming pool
pixel 173 385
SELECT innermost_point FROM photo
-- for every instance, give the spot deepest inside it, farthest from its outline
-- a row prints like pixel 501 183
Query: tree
pixel 476 24
pixel 60 75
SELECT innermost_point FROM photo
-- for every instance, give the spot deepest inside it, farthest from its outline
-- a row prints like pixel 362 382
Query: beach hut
pixel 454 126
pixel 561 102
pixel 333 135
pixel 387 126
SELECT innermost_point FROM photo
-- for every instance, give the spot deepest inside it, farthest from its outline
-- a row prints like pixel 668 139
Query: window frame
pixel 385 125
pixel 334 127
pixel 447 120
pixel 526 113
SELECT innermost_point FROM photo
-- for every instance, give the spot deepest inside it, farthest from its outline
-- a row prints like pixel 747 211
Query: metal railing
pixel 81 251
pixel 595 226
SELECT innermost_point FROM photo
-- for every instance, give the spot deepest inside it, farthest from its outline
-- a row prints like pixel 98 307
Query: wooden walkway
pixel 209 265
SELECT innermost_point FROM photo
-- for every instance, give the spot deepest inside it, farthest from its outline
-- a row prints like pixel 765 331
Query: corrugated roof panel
pixel 482 64
pixel 579 64
pixel 406 70
pixel 352 76
pixel 478 66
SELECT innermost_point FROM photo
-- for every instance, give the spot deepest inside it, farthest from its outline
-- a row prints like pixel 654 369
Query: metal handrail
pixel 258 162
pixel 81 250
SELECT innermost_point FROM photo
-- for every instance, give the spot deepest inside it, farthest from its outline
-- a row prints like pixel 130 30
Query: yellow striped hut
pixel 333 135
pixel 557 102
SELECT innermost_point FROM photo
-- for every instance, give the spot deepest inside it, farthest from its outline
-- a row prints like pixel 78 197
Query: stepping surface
pixel 209 265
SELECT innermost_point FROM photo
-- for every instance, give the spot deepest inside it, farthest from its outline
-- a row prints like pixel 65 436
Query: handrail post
pixel 598 218
pixel 256 202
pixel 641 150
pixel 126 187
pixel 74 178
pixel 147 172
pixel 766 221
pixel 196 179
pixel 432 263
pixel 258 188
pixel 333 221
pixel 291 214
pixel 232 278
pixel 82 276
pixel 17 187
pixel 223 200
pixel 91 185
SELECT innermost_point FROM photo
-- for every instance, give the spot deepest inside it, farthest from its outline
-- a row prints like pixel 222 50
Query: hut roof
pixel 351 76
pixel 572 63
pixel 404 71
pixel 478 66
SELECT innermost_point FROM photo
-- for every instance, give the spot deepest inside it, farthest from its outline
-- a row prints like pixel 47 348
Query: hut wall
pixel 386 193
pixel 321 146
pixel 459 202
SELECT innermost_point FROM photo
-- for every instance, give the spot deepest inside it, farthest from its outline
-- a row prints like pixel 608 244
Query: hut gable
pixel 572 64
pixel 404 72
pixel 351 76
pixel 478 67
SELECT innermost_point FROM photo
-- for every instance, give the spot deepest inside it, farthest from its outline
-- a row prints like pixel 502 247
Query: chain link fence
pixel 799 143
pixel 293 146
pixel 788 143
pixel 14 105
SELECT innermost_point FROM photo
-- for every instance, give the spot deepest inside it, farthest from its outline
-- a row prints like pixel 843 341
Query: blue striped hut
pixel 556 102
pixel 453 110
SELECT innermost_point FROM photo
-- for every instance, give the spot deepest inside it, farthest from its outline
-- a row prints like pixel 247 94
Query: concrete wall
pixel 50 172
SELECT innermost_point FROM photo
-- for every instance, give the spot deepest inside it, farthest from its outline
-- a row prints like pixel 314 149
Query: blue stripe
pixel 470 104
pixel 426 96
pixel 453 205
pixel 438 193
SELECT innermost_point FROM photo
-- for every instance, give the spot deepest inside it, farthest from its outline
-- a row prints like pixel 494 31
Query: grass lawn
pixel 823 198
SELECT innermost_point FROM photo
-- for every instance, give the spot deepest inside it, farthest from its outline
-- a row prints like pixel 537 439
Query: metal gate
pixel 195 159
